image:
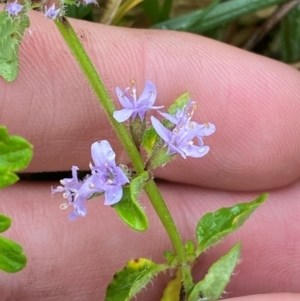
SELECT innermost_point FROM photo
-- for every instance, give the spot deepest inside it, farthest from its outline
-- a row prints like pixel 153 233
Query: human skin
pixel 254 103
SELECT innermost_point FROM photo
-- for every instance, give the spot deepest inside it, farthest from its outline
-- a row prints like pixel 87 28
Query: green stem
pixel 105 101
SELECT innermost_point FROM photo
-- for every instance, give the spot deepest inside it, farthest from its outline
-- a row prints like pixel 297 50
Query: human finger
pixel 253 101
pixel 76 260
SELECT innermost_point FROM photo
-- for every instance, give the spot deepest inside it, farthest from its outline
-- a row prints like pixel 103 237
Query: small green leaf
pixel 216 225
pixel 179 103
pixel 12 258
pixel 11 33
pixel 132 278
pixel 150 138
pixel 190 250
pixel 15 155
pixel 129 209
pixel 138 183
pixel 170 258
pixel 160 157
pixel 217 277
pixel 5 223
pixel 223 13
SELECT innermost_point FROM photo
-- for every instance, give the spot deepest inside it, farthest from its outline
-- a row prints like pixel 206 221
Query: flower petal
pixel 148 96
pixel 113 196
pixel 102 153
pixel 196 151
pixel 163 132
pixel 123 115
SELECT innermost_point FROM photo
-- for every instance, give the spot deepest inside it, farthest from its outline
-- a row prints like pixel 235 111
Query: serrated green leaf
pixel 132 278
pixel 216 225
pixel 11 33
pixel 128 209
pixel 5 223
pixel 15 155
pixel 12 258
pixel 222 13
pixel 217 277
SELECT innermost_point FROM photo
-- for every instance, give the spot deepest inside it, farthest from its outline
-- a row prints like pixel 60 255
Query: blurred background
pixel 268 27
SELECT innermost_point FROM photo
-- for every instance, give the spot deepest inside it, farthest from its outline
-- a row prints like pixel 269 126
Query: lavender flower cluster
pixel 106 177
pixel 50 8
pixel 180 138
pixel 184 137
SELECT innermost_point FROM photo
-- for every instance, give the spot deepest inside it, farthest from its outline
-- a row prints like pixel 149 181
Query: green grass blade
pixel 290 36
pixel 166 9
pixel 221 14
pixel 151 10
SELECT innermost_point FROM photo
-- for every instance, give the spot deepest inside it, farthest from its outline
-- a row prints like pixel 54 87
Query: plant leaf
pixel 165 10
pixel 151 10
pixel 222 13
pixel 11 33
pixel 5 223
pixel 214 226
pixel 173 289
pixel 12 258
pixel 217 277
pixel 290 36
pixel 15 155
pixel 149 141
pixel 129 209
pixel 179 103
pixel 132 278
pixel 170 258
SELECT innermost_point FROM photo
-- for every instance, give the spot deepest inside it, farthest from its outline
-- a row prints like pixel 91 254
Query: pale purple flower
pixel 70 186
pixel 106 173
pixel 13 8
pixel 90 1
pixel 106 178
pixel 51 12
pixel 180 140
pixel 132 105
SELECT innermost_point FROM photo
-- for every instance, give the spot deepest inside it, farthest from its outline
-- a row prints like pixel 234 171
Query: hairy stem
pixel 106 103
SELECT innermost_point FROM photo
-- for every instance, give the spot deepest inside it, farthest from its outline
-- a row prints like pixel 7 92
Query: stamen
pixel 62 182
pixel 65 196
pixel 91 186
pixel 109 181
pixel 63 206
pixel 191 125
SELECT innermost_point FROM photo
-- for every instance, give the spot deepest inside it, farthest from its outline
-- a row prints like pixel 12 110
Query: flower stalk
pixel 106 103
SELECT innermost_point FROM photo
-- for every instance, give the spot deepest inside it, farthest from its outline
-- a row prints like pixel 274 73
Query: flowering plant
pixel 149 145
